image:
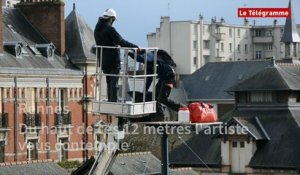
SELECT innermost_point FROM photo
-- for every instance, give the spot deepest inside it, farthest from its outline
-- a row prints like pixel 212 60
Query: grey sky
pixel 137 18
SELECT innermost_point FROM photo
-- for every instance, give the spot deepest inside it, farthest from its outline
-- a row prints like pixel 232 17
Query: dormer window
pixel 259 97
pixel 47 50
pixel 238 148
pixel 14 47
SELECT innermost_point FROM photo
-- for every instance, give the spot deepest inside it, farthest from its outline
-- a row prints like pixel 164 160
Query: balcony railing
pixel 4 120
pixel 32 120
pixel 264 39
pixel 63 118
pixel 220 36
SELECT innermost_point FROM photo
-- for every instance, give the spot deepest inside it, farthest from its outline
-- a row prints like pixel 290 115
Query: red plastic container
pixel 202 113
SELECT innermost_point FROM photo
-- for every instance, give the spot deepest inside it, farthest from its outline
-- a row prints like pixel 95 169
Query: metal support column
pixel 164 153
pixel 48 116
pixel 16 113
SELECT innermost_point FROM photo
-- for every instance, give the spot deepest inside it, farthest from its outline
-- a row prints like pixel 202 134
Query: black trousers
pixel 112 83
pixel 162 94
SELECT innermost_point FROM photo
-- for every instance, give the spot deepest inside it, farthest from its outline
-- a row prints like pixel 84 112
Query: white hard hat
pixel 110 13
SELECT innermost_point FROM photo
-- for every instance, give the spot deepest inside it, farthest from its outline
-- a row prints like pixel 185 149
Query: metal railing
pixel 130 77
pixel 62 118
pixel 32 120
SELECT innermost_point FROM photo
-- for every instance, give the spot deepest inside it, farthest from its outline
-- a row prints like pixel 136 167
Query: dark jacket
pixel 106 35
pixel 165 68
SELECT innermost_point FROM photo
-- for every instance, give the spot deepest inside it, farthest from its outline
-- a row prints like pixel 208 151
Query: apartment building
pixel 194 43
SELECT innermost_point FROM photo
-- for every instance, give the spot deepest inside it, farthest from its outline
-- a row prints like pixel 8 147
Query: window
pixel 230 47
pixel 32 152
pixel 63 149
pixel 62 100
pixel 269 47
pixel 206 44
pixel 242 144
pixel 258 33
pixel 218 29
pixel 295 50
pixel 31 100
pixel 239 33
pixel 234 144
pixel 195 61
pixel 2 151
pixel 195 44
pixel 246 48
pixel 230 32
pixel 258 55
pixel 222 47
pixel 259 97
pixel 239 48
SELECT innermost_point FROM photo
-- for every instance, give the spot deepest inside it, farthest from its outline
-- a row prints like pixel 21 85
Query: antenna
pixel 169 9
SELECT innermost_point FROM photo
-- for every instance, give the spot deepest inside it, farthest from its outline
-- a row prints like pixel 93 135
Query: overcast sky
pixel 137 18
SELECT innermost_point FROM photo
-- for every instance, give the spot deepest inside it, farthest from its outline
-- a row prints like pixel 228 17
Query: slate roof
pixel 204 145
pixel 134 164
pixel 142 163
pixel 276 129
pixel 253 127
pixel 79 38
pixel 18 29
pixel 211 81
pixel 285 77
pixel 49 168
pixel 281 126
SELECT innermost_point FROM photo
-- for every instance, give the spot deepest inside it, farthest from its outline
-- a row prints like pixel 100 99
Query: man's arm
pixel 118 40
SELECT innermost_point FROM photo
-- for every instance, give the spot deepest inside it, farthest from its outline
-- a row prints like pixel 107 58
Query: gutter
pixel 229 101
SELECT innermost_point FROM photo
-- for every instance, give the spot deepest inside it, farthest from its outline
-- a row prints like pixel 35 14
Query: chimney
pixel 1 31
pixel 246 22
pixel 48 17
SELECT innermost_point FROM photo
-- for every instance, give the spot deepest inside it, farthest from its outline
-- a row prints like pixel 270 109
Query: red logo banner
pixel 264 12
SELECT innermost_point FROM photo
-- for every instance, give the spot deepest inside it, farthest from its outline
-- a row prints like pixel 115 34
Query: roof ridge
pixel 25 162
pixel 135 153
pixel 288 64
pixel 182 169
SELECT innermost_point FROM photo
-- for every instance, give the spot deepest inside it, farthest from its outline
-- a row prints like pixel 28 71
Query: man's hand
pixel 169 85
